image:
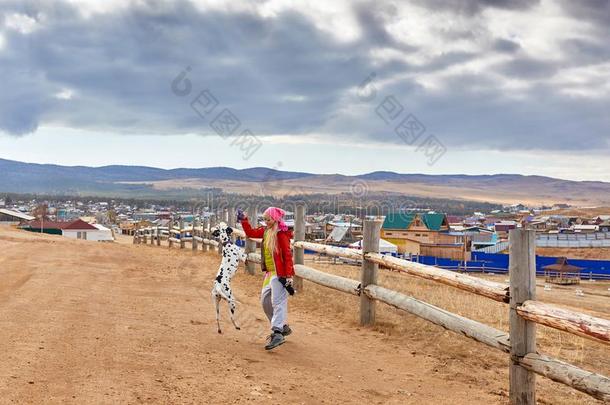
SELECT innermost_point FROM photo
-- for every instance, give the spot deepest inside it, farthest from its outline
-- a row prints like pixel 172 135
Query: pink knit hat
pixel 277 214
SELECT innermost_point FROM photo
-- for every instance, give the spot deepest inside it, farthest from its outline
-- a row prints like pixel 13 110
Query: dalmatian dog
pixel 231 255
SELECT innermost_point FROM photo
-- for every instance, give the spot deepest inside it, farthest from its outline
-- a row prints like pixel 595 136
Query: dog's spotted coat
pixel 231 255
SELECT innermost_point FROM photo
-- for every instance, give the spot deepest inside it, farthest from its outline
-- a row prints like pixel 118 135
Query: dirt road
pixel 85 322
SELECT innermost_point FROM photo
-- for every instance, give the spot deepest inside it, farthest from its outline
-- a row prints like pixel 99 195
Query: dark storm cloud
pixel 470 7
pixel 528 67
pixel 596 11
pixel 120 66
pixel 283 75
pixel 505 45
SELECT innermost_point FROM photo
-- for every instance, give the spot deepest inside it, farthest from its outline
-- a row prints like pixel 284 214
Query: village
pixel 475 243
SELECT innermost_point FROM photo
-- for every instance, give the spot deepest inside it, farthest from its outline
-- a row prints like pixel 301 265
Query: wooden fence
pixel 520 296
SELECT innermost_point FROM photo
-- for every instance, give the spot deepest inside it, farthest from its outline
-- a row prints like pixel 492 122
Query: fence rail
pixel 525 311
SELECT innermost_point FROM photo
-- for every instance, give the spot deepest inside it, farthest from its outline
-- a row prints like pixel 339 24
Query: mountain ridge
pixel 22 177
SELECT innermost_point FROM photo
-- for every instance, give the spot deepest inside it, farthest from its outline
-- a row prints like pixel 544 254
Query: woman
pixel 278 268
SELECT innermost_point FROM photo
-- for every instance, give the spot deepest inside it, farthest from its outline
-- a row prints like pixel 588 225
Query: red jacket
pixel 281 259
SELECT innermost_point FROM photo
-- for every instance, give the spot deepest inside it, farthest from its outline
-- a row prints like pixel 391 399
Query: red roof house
pixel 79 225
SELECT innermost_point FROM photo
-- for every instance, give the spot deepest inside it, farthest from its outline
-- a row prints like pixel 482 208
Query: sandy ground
pixel 84 322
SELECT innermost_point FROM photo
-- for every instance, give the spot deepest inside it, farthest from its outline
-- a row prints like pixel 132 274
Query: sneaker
pixel 276 339
pixel 286 330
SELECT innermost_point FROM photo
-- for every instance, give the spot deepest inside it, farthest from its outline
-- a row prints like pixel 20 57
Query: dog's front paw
pixel 238 328
pixel 219 331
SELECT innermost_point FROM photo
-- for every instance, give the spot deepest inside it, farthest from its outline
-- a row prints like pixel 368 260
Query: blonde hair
pixel 271 238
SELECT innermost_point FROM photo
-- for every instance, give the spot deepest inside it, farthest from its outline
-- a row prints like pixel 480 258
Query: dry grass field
pixel 501 193
pixel 84 322
pixel 580 253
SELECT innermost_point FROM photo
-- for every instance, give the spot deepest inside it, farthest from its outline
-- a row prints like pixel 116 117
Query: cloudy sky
pixel 426 86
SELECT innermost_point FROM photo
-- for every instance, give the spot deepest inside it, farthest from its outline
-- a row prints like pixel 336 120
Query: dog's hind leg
pixel 232 309
pixel 216 298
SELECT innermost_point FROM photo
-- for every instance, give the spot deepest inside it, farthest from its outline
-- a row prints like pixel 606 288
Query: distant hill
pixel 143 181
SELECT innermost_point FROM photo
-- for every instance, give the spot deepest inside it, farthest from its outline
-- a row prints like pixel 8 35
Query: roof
pixel 585 227
pixel 384 245
pixel 433 221
pixel 454 219
pixel 47 224
pixel 344 224
pixel 505 223
pixel 70 225
pixel 562 266
pixel 397 221
pixel 338 233
pixel 16 214
pixel 79 224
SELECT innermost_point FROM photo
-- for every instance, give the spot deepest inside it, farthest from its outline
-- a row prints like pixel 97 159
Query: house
pixel 425 234
pixel 346 230
pixel 582 228
pixel 80 229
pixel 480 237
pixel 127 227
pixel 537 225
pixel 516 208
pixel 77 229
pixel 502 228
pixel 44 226
pixel 13 217
pixel 454 220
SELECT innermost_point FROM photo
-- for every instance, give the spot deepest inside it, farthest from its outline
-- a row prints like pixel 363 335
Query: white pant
pixel 274 299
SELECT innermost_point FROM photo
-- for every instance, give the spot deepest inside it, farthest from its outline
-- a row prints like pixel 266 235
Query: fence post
pixel 182 233
pixel 158 236
pixel 193 234
pixel 170 226
pixel 522 275
pixel 205 233
pixel 250 244
pixel 370 243
pixel 219 219
pixel 230 216
pixel 299 235
pixel 231 221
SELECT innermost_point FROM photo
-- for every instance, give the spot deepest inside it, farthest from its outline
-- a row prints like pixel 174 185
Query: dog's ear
pixel 229 230
pixel 216 233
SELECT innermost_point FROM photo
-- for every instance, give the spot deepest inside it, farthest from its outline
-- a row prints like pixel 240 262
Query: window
pixel 388 233
pixel 418 234
pixel 79 235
